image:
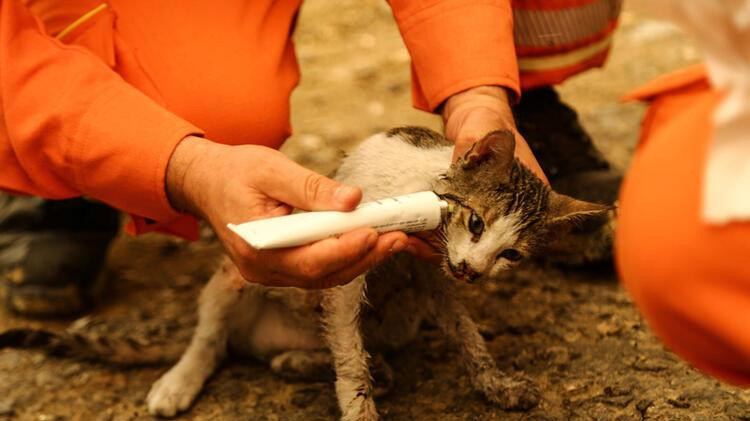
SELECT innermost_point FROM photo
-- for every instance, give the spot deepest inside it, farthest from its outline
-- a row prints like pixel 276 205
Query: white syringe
pixel 414 212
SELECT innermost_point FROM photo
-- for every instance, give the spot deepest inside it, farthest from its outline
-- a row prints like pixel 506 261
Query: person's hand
pixel 468 117
pixel 471 114
pixel 235 184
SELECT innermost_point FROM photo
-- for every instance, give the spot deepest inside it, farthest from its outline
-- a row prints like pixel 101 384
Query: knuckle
pixel 312 185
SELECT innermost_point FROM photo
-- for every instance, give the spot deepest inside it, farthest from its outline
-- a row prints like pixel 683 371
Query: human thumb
pixel 301 188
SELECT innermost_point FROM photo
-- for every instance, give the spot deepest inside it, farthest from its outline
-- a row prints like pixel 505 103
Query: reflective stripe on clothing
pixel 557 39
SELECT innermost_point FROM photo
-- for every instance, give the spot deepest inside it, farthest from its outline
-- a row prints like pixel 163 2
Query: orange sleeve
pixel 456 45
pixel 70 126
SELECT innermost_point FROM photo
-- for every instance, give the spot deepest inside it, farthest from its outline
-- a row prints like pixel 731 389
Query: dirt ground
pixel 576 333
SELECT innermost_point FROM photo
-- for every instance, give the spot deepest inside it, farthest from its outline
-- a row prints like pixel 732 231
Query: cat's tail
pixel 92 347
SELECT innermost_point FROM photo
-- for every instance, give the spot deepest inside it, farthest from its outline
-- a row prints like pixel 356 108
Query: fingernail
pixel 398 246
pixel 344 194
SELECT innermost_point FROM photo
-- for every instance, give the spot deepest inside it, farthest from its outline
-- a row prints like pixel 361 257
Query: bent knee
pixel 687 278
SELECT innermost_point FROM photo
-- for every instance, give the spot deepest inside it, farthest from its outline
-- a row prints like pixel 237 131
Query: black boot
pixel 51 253
pixel 574 167
pixel 564 150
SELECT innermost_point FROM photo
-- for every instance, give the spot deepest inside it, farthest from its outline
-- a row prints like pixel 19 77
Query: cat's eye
pixel 476 225
pixel 511 254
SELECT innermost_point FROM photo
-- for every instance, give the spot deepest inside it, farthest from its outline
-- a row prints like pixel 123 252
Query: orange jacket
pixel 99 111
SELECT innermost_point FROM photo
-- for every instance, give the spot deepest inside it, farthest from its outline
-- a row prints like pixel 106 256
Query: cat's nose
pixel 464 272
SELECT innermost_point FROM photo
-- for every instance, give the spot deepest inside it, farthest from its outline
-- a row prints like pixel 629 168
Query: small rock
pixel 679 403
pixel 82 379
pixel 575 387
pixel 71 370
pixel 609 327
pixel 573 336
pixel 50 417
pixel 649 364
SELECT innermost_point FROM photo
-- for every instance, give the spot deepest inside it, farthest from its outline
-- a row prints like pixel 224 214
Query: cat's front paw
pixel 511 393
pixel 355 401
pixel 365 411
pixel 172 393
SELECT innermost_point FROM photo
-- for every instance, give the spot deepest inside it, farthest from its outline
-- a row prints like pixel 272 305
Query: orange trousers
pixel 690 280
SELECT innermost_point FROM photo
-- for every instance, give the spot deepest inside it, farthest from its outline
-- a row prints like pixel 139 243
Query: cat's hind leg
pixel 455 321
pixel 176 390
pixel 304 365
pixel 343 333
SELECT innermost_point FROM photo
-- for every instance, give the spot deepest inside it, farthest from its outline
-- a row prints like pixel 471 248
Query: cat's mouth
pixel 463 272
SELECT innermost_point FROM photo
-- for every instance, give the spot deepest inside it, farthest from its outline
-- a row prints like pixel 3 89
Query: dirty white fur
pixel 410 169
pixel 284 325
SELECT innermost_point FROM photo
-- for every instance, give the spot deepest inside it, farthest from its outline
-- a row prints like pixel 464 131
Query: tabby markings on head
pixel 419 137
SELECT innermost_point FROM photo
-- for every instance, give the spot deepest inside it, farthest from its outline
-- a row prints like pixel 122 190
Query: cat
pixel 501 214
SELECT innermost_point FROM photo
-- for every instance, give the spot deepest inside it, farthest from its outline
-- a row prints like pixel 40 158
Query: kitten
pixel 501 214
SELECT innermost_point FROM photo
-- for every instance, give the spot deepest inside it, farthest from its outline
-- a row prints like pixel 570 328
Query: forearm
pixel 481 96
pixel 471 114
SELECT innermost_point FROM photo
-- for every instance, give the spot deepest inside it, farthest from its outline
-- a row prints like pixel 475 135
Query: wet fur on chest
pixel 269 320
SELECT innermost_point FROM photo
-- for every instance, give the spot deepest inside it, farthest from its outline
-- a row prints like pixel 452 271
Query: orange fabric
pixel 100 114
pixel 557 39
pixel 456 45
pixel 676 81
pixel 690 280
pixel 557 48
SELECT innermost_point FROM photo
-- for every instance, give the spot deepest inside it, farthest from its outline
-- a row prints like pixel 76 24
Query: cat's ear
pixel 501 144
pixel 571 216
pixel 578 231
